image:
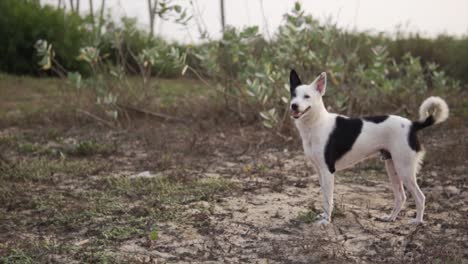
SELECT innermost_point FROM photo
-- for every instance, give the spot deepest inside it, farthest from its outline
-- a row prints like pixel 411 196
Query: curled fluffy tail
pixel 433 110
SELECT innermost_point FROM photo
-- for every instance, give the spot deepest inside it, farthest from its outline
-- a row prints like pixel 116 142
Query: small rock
pixel 203 204
pixel 213 175
pixel 452 190
pixel 81 242
pixel 145 174
pixel 163 255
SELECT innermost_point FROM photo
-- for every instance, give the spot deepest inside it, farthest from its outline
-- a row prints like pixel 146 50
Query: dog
pixel 333 142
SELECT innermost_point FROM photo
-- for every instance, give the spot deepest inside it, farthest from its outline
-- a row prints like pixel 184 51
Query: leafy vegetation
pixel 248 71
pixel 361 72
pixel 23 22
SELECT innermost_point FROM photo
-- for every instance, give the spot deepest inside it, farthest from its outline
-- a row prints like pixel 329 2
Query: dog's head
pixel 306 98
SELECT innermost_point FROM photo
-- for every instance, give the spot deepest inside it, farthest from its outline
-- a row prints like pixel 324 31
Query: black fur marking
pixel 294 82
pixel 341 139
pixel 413 139
pixel 415 127
pixel 420 125
pixel 376 119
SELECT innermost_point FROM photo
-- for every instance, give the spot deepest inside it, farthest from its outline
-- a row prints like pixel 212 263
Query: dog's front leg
pixel 327 185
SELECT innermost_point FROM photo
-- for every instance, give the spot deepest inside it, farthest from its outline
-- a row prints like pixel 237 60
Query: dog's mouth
pixel 298 114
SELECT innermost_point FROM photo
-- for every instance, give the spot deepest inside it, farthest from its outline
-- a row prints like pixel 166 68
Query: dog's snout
pixel 294 107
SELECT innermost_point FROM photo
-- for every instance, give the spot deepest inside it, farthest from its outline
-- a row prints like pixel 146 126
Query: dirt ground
pixel 214 192
pixel 263 212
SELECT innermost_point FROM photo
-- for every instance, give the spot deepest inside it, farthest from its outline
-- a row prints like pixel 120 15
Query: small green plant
pixel 154 235
pixel 28 148
pixel 88 148
pixel 307 217
pixel 122 233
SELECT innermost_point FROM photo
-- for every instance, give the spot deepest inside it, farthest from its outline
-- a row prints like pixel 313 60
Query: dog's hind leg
pixel 398 190
pixel 406 169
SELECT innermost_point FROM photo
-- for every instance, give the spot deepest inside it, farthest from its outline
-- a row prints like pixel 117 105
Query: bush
pixel 361 72
pixel 23 22
pixel 451 53
pixel 124 43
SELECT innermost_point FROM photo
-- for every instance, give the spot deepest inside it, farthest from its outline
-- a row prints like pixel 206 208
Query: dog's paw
pixel 415 222
pixel 387 218
pixel 322 222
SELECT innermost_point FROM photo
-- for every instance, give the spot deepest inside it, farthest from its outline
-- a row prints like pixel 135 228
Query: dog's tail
pixel 432 111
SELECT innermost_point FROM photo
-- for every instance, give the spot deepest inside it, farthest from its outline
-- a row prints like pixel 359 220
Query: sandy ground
pixel 271 218
pixel 266 217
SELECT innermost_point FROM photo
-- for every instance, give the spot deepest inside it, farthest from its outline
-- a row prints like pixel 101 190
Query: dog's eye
pixel 306 96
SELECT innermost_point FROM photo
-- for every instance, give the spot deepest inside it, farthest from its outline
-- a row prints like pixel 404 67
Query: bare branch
pixel 223 21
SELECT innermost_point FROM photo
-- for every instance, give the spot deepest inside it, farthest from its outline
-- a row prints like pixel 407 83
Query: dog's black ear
pixel 294 82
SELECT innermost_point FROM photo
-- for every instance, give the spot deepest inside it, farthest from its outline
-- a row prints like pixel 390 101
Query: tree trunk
pixel 91 15
pixel 223 21
pixel 152 8
pixel 78 6
pixel 72 5
pixel 101 17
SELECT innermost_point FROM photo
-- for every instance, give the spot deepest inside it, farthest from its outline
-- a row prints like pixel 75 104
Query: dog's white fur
pixel 315 124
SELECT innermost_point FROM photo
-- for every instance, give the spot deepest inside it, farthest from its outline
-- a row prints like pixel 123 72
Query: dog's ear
pixel 320 83
pixel 294 82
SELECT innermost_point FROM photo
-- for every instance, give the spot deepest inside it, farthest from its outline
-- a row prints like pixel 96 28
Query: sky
pixel 428 17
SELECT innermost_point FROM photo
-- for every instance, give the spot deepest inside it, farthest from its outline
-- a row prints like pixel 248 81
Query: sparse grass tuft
pixel 43 169
pixel 28 148
pixel 308 216
pixel 338 212
pixel 91 147
pixel 122 233
pixel 311 215
pixel 17 257
pixel 165 196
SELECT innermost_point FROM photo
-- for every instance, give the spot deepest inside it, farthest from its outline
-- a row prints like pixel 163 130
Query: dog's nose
pixel 294 107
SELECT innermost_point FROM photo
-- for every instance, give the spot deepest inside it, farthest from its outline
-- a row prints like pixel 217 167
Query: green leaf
pixel 154 235
pixel 75 79
pixel 297 6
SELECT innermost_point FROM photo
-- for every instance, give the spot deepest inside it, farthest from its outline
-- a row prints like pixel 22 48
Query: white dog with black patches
pixel 334 142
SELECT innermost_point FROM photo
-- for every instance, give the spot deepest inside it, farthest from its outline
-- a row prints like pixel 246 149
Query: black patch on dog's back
pixel 341 140
pixel 376 119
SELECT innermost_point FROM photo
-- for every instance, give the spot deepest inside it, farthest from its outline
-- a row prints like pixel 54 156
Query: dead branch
pixel 154 114
pixel 100 120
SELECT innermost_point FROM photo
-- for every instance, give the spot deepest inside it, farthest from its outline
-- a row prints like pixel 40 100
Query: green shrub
pixel 451 53
pixel 361 72
pixel 23 22
pixel 124 43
